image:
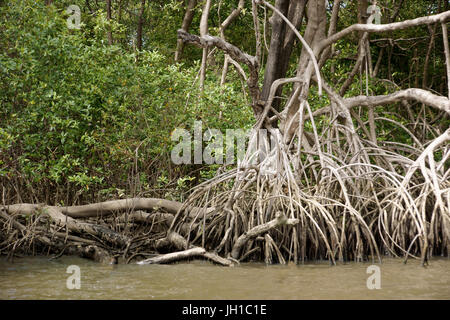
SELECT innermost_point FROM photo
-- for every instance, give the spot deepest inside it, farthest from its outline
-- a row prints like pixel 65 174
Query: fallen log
pixel 144 217
pixel 78 246
pixel 174 239
pixel 75 239
pixel 93 229
pixel 21 208
pixel 167 218
pixel 71 224
pixel 109 207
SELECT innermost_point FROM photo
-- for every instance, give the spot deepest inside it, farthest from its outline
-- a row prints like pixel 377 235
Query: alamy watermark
pixel 374 280
pixel 213 147
pixel 73 281
pixel 375 15
pixel 74 20
pixel 373 11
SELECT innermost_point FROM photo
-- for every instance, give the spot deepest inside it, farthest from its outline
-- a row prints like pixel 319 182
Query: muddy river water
pixel 41 278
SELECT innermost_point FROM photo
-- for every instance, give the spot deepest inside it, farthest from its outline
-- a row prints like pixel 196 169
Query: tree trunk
pixel 274 63
pixel 187 20
pixel 108 16
pixel 140 25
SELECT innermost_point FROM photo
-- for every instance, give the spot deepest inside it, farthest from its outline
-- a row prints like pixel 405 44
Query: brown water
pixel 39 278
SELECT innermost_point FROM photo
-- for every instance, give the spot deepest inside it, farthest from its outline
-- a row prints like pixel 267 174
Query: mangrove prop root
pixel 339 202
pixel 261 229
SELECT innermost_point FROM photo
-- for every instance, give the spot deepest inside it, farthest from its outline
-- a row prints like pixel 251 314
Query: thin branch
pixel 233 15
pixel 204 32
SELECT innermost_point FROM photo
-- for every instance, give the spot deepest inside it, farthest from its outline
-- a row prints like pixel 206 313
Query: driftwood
pixel 70 244
pixel 174 256
pixel 280 220
pixel 195 252
pixel 68 222
pixel 72 231
pixel 180 243
pixel 108 207
pixel 71 225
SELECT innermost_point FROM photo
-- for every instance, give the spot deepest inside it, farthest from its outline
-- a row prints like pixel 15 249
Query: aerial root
pixel 356 201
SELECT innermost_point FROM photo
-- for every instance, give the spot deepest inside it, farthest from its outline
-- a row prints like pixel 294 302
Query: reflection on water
pixel 39 278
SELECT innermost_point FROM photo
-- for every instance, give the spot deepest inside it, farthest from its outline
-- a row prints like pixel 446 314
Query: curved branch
pixel 208 40
pixel 423 96
pixel 420 95
pixel 238 68
pixel 429 150
pixel 273 90
pixel 233 15
pixel 442 17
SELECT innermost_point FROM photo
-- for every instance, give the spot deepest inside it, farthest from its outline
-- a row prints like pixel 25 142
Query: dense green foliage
pixel 81 120
pixel 81 117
